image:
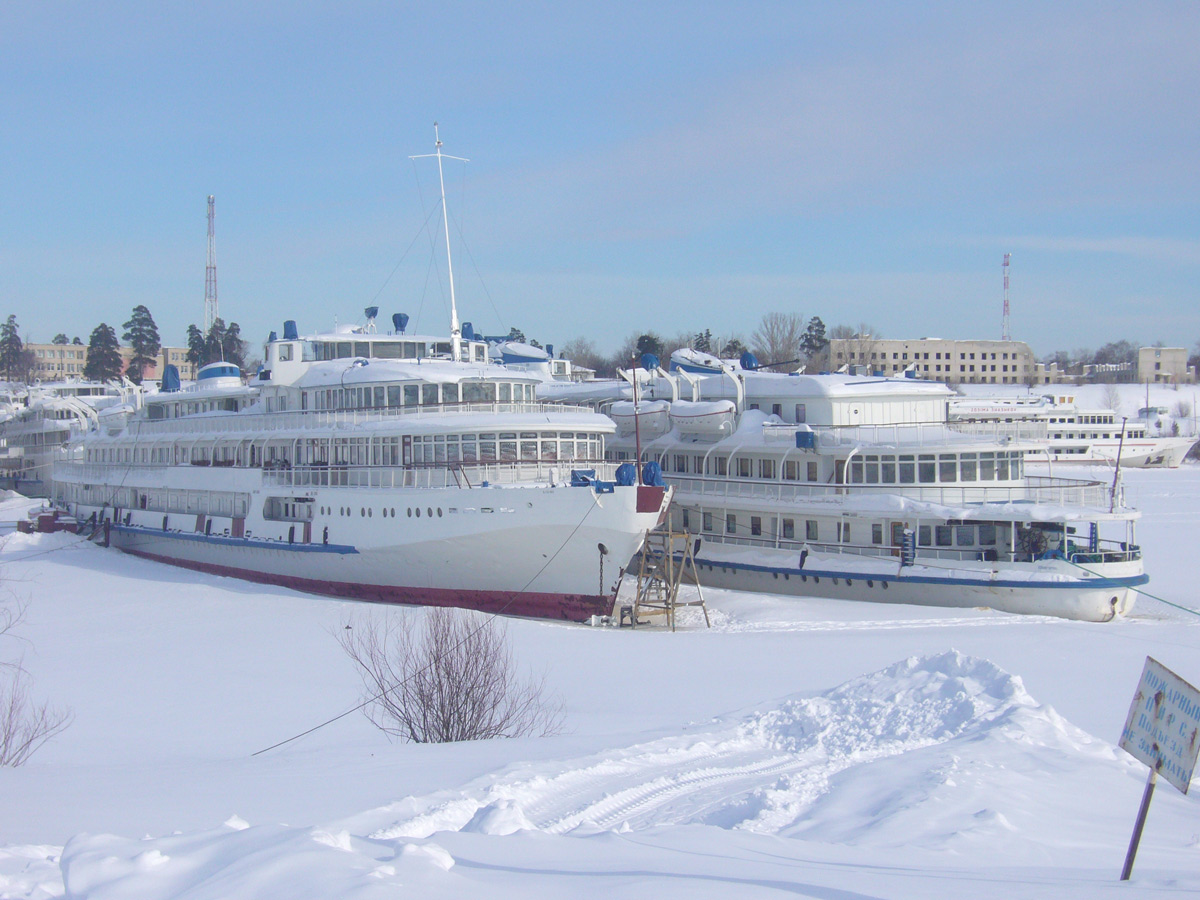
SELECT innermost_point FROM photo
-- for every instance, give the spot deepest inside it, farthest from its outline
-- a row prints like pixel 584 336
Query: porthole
pixel 870 583
pixel 883 584
pixel 410 512
pixel 849 582
pixel 775 574
pixel 439 512
pixel 429 511
pixel 835 581
pixel 370 513
pixel 804 578
pixel 418 512
pixel 362 511
pixel 786 577
pixel 393 512
pixel 816 579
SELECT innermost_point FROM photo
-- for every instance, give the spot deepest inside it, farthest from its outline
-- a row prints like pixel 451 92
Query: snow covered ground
pixel 798 748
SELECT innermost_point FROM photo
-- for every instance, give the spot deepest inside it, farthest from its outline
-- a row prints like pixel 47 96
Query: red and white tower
pixel 210 273
pixel 1005 335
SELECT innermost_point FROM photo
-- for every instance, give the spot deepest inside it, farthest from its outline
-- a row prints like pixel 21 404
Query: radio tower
pixel 210 273
pixel 1004 332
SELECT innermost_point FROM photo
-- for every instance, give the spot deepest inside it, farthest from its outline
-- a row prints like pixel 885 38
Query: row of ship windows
pixel 381 396
pixel 366 512
pixel 982 535
pixel 804 577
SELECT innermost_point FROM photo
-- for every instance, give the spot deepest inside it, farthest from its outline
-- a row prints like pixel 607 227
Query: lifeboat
pixel 709 418
pixel 653 417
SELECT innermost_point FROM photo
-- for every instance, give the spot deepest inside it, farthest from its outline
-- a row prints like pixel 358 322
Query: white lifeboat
pixel 653 417
pixel 705 417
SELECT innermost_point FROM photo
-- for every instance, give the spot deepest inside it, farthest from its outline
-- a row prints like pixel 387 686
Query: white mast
pixel 455 332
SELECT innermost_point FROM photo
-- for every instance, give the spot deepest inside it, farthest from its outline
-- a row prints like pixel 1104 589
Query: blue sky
pixel 661 166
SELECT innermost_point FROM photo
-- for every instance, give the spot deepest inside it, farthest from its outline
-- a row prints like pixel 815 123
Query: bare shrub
pixel 1183 409
pixel 25 725
pixel 450 678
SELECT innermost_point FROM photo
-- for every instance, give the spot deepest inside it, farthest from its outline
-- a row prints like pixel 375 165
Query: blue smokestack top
pixel 289 330
pixel 399 322
pixel 649 362
pixel 170 378
pixel 749 361
pixel 468 331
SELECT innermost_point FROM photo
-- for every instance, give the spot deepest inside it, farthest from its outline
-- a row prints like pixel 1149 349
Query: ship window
pixel 1001 467
pixel 429 394
pixel 743 467
pixel 386 350
pixel 987 535
pixel 789 529
pixel 756 525
pixel 926 470
pixel 766 468
pixel 812 471
pixel 811 531
pixel 720 464
pixel 987 467
pixel 872 470
pixel 344 350
pixel 887 470
pixel 449 393
pixel 505 393
pixel 924 535
pixel 947 467
pixel 943 534
pixel 844 532
pixel 801 413
pixel 708 521
pixel 412 394
pixel 908 472
pixel 964 535
pixel 877 533
pixel 730 523
pixel 967 467
pixel 856 471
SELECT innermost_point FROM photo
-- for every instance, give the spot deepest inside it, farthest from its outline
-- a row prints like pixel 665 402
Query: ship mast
pixel 455 331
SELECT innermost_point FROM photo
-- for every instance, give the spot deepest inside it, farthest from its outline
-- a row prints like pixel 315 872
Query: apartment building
pixel 935 359
pixel 1164 365
pixel 59 362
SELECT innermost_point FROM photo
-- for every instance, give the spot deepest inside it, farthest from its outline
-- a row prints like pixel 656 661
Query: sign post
pixel 1162 731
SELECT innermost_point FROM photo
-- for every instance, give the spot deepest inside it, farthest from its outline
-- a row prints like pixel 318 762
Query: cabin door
pixel 406 456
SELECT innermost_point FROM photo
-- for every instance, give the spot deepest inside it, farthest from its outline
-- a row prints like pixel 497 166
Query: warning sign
pixel 1163 728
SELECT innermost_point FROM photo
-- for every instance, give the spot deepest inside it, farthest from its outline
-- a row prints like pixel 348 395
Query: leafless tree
pixel 858 344
pixel 777 340
pixel 452 678
pixel 1183 409
pixel 25 725
pixel 1111 398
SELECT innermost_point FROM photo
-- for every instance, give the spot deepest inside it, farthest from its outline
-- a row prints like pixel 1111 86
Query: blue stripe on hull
pixel 1127 582
pixel 238 542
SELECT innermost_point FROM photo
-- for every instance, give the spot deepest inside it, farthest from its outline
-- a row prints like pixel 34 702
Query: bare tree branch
pixel 451 679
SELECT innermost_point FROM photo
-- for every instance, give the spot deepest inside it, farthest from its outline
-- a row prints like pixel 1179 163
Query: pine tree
pixel 814 341
pixel 195 343
pixel 60 338
pixel 104 354
pixel 142 335
pixel 233 348
pixel 10 348
pixel 214 342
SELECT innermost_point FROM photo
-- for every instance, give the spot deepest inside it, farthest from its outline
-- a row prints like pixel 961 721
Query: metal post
pixel 1139 825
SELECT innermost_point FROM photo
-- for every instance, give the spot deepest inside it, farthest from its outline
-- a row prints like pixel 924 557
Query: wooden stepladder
pixel 666 561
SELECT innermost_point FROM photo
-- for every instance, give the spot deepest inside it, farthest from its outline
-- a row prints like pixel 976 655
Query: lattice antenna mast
pixel 210 273
pixel 455 331
pixel 1005 334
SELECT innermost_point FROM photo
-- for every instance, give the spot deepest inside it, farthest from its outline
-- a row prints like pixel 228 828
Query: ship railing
pixel 292 420
pixel 1036 489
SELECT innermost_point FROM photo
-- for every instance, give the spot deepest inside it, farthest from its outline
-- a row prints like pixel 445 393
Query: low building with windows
pixel 1164 365
pixel 935 359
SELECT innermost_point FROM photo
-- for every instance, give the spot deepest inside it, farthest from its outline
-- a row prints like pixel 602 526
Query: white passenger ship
pixel 376 467
pixel 1057 430
pixel 855 488
pixel 43 418
pixel 382 467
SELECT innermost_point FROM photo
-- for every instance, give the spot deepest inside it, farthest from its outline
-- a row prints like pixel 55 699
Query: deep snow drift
pixel 798 748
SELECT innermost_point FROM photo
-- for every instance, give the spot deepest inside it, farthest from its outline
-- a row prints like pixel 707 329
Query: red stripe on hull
pixel 538 605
